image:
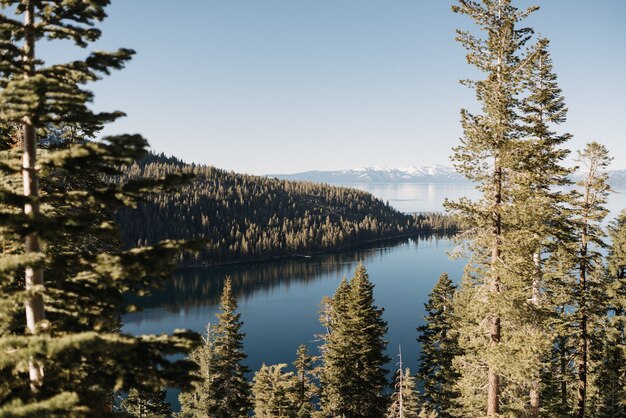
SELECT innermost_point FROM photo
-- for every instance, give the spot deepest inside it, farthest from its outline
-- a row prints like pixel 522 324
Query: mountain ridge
pixel 433 173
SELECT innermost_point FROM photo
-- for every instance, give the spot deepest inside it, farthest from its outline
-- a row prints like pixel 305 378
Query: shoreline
pixel 317 253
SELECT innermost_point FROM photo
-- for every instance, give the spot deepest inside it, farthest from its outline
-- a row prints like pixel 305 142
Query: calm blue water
pixel 279 300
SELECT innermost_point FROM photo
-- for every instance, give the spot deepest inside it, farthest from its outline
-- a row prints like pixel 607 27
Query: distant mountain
pixel 422 174
pixel 617 179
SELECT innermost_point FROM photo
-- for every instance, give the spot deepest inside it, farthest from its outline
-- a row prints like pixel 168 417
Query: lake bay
pixel 279 299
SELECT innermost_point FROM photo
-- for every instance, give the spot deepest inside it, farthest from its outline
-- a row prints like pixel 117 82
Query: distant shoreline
pixel 446 233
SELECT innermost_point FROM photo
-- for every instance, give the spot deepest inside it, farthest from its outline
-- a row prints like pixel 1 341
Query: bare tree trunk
pixel 562 352
pixel 493 382
pixel 535 299
pixel 534 399
pixel 583 344
pixel 33 276
pixel 493 379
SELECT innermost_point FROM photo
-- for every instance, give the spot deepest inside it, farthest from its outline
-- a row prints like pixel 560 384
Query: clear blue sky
pixel 283 86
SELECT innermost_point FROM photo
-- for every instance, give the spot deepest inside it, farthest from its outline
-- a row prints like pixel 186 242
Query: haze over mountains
pixel 435 173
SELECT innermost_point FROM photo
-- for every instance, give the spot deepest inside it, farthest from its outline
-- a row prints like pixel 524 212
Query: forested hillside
pixel 246 217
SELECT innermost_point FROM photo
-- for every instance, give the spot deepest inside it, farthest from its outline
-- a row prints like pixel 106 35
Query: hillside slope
pixel 246 217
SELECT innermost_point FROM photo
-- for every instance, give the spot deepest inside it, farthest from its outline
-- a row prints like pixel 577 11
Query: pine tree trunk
pixel 33 276
pixel 583 343
pixel 534 400
pixel 583 346
pixel 493 388
pixel 563 359
pixel 535 296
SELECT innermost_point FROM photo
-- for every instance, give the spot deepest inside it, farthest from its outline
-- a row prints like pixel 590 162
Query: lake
pixel 420 197
pixel 417 197
pixel 279 299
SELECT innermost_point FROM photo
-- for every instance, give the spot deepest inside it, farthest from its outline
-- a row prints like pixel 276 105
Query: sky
pixel 283 86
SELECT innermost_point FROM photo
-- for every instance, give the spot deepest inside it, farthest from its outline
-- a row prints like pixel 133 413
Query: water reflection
pixel 429 197
pixel 417 197
pixel 196 287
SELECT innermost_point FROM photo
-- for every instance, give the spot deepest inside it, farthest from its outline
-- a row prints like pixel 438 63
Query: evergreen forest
pixel 535 327
pixel 243 217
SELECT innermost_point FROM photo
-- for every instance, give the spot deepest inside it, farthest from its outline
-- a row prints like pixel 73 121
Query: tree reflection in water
pixel 201 286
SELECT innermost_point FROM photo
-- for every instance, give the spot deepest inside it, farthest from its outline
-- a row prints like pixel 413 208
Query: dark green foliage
pixel 439 346
pixel 613 366
pixel 221 390
pixel 352 375
pixel 249 217
pixel 617 255
pixel 86 276
pixel 514 283
pixel 76 349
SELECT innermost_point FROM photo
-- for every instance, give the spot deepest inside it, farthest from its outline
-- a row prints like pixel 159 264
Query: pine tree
pixel 306 390
pixel 404 399
pixel 617 255
pixel 612 369
pixel 590 303
pixel 540 218
pixel 407 386
pixel 439 346
pixel 352 376
pixel 61 225
pixel 275 392
pixel 147 404
pixel 336 368
pixel 493 299
pixel 222 389
pixel 199 400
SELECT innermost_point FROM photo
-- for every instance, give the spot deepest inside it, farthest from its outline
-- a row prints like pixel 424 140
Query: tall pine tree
pixel 353 375
pixel 613 370
pixel 56 210
pixel 492 296
pixel 590 296
pixel 539 218
pixel 439 346
pixel 222 390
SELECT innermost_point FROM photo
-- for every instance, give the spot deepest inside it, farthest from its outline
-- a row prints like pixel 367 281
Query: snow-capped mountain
pixel 418 174
pixel 421 174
